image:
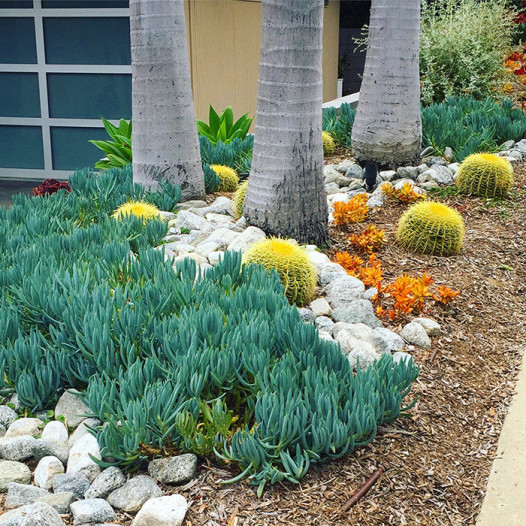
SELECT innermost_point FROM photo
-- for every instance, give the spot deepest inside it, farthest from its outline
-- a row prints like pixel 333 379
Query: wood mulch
pixel 435 463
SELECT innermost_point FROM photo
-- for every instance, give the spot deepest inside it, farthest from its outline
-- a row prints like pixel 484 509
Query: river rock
pixel 415 334
pixel 91 511
pixel 386 341
pixel 174 470
pixel 24 426
pixel 7 416
pixel 162 511
pixel 431 327
pixel 109 480
pixel 131 496
pixel 22 494
pixel 77 483
pixel 13 472
pixel 60 502
pixel 37 514
pixel 80 454
pixel 357 311
pixel 72 408
pixel 55 431
pixel 17 448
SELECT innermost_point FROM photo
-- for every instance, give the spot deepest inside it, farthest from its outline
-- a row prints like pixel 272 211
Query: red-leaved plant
pixel 50 186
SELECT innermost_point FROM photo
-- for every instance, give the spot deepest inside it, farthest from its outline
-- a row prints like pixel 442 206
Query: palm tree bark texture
pixel 165 143
pixel 388 127
pixel 286 194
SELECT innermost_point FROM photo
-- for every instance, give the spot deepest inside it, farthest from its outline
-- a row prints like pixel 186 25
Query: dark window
pixel 89 96
pixel 18 41
pixel 84 4
pixel 71 148
pixel 16 4
pixel 19 96
pixel 91 40
pixel 21 147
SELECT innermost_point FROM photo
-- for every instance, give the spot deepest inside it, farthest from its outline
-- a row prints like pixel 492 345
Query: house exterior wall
pixel 66 63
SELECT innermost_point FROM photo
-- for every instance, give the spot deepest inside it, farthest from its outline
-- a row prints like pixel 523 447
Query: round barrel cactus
pixel 485 175
pixel 296 272
pixel 239 199
pixel 328 143
pixel 228 176
pixel 431 228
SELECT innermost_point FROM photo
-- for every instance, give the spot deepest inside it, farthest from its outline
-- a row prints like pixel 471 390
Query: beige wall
pixel 224 39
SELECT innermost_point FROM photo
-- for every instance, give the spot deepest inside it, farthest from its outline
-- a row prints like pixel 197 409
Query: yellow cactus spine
pixel 138 209
pixel 431 228
pixel 328 143
pixel 228 176
pixel 239 199
pixel 296 272
pixel 485 175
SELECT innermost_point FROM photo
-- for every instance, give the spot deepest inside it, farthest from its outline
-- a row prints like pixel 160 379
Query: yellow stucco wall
pixel 224 40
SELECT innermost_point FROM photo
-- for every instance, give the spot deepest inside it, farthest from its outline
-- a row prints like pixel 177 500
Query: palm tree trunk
pixel 286 194
pixel 165 143
pixel 388 127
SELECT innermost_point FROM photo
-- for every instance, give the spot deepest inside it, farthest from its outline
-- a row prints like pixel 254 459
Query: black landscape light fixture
pixel 371 172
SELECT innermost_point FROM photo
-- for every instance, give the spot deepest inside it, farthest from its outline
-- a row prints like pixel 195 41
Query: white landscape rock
pixel 324 324
pixel 80 460
pixel 331 272
pixel 401 356
pixel 11 471
pixel 343 291
pixel 22 495
pixel 92 511
pixel 357 311
pixel 415 334
pixel 17 448
pixel 431 327
pixel 189 221
pixel 46 471
pixel 109 480
pixel 360 331
pixel 320 307
pixel 131 496
pixel 55 431
pixel 24 426
pixel 386 341
pixel 162 511
pixel 72 408
pixel 38 514
pixel 243 241
pixel 318 259
pixel 441 174
pixel 362 357
pixel 7 416
pixel 82 430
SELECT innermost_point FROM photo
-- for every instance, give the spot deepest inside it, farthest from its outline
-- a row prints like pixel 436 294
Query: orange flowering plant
pixel 354 211
pixel 406 194
pixel 406 295
pixel 370 240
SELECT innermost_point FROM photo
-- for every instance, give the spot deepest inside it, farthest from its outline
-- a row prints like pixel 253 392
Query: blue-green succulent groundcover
pixel 173 360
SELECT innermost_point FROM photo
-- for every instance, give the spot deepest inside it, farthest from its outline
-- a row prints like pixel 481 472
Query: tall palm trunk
pixel 286 194
pixel 165 143
pixel 388 127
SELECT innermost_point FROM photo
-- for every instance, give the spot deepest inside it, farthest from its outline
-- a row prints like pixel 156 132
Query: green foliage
pixel 217 362
pixel 431 228
pixel 119 150
pixel 237 154
pixel 469 126
pixel 485 175
pixel 339 123
pixel 462 46
pixel 223 128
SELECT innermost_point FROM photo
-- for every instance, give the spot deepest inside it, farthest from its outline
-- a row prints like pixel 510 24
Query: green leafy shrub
pixel 223 128
pixel 119 150
pixel 486 175
pixel 295 270
pixel 462 47
pixel 217 362
pixel 431 228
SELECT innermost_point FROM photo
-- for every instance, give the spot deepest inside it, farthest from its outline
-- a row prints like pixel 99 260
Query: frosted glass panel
pixel 21 147
pixel 17 40
pixel 71 150
pixel 19 95
pixel 89 96
pixel 87 40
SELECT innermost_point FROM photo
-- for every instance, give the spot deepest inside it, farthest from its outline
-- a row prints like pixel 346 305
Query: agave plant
pixel 119 150
pixel 223 128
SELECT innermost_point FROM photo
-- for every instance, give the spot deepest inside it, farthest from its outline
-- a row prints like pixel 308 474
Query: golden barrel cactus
pixel 138 209
pixel 485 175
pixel 328 143
pixel 239 199
pixel 296 272
pixel 431 228
pixel 228 176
